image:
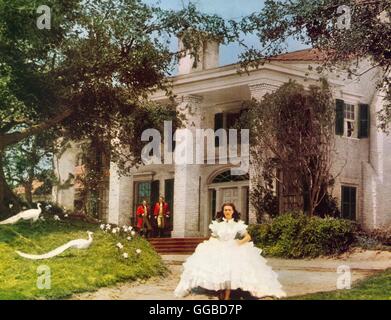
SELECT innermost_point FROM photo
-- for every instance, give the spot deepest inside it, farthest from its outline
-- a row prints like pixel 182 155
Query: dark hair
pixel 235 215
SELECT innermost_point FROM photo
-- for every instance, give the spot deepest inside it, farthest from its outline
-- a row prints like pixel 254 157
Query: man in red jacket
pixel 143 215
pixel 162 214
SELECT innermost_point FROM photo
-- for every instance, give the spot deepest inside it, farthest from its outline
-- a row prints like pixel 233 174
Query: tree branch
pixel 15 137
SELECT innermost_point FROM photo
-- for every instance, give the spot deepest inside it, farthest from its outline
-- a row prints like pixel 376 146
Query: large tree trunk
pixel 7 197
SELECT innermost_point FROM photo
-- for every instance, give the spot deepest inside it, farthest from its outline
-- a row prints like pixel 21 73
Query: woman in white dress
pixel 229 261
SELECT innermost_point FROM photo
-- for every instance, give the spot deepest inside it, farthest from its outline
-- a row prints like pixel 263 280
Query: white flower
pixel 133 233
pixel 57 218
pixel 130 228
pixel 125 255
pixel 138 251
pixel 102 226
pixel 66 215
pixel 10 205
pixel 114 231
pixel 119 245
pixel 108 227
pixel 129 238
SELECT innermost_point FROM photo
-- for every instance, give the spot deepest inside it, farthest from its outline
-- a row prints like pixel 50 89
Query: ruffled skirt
pixel 219 265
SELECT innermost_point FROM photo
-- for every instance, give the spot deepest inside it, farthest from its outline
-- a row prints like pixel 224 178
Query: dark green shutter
pixel 218 125
pixel 339 117
pixel 213 204
pixel 169 198
pixel 232 119
pixel 155 186
pixel 363 125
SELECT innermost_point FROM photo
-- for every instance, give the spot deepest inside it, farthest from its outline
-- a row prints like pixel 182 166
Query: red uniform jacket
pixel 166 210
pixel 139 213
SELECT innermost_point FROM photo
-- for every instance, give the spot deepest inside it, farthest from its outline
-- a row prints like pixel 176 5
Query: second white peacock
pixel 77 244
pixel 30 214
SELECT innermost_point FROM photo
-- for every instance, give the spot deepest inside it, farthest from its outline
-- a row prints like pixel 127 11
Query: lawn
pixel 74 270
pixel 375 287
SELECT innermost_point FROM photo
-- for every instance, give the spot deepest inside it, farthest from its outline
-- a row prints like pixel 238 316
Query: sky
pixel 228 9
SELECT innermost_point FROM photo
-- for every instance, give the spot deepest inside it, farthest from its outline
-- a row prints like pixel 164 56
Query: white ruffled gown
pixel 221 263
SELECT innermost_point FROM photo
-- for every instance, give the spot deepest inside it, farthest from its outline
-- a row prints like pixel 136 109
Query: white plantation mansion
pixel 211 97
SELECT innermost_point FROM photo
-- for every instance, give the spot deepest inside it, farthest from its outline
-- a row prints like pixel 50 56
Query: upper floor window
pixel 352 120
pixel 227 120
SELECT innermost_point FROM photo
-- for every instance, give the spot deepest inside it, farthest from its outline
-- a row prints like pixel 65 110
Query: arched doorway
pixel 224 187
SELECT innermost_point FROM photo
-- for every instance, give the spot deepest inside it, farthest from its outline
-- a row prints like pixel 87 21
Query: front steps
pixel 168 246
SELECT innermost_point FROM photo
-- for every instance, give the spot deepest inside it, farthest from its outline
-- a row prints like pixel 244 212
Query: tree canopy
pixel 292 139
pixel 343 31
pixel 89 75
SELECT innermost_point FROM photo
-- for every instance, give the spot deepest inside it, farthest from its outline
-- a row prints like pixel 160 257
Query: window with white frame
pixel 350 120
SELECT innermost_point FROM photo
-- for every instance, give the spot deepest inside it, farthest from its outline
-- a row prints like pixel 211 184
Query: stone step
pixel 175 245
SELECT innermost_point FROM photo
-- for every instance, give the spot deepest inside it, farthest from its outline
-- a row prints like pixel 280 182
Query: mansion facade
pixel 211 98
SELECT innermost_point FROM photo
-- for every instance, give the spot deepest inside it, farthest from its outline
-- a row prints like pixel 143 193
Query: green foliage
pixel 75 270
pixel 30 160
pixel 292 137
pixel 295 235
pixel 328 206
pixel 263 196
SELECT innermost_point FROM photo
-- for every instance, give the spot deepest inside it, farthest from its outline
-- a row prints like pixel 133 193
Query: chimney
pixel 208 58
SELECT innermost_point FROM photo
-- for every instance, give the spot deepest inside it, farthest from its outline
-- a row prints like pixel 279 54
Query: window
pixel 227 120
pixel 227 177
pixel 143 192
pixel 350 120
pixel 348 202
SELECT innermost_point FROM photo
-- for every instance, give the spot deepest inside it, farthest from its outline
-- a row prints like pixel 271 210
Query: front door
pixel 145 190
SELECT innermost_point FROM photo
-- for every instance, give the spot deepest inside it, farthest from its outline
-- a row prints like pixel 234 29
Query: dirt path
pixel 297 277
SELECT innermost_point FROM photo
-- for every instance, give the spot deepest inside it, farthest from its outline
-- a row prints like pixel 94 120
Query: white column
pixel 377 173
pixel 120 197
pixel 186 186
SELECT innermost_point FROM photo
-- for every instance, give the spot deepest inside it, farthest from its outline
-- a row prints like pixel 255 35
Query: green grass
pixel 74 270
pixel 375 287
